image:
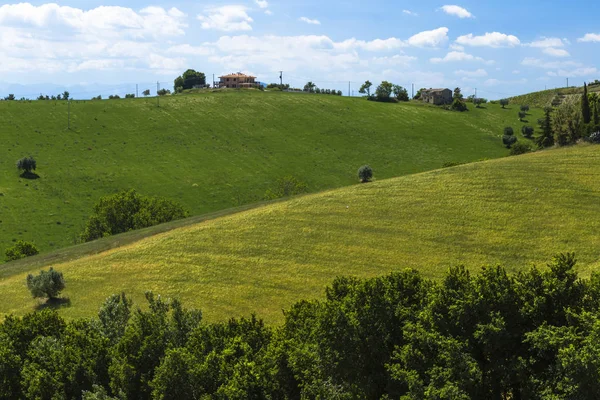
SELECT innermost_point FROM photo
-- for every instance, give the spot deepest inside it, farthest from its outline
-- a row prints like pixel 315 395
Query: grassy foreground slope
pixel 514 211
pixel 216 150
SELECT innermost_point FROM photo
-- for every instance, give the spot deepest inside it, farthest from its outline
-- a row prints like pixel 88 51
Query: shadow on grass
pixel 29 175
pixel 481 107
pixel 54 304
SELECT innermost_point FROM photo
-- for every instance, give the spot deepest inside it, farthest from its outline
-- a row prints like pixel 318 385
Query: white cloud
pixel 105 21
pixel 493 39
pixel 457 11
pixel 269 12
pixel 480 73
pixel 408 12
pixel 551 51
pixel 262 3
pixel 433 38
pixel 397 60
pixel 497 82
pixel 373 45
pixel 456 47
pixel 590 37
pixel 516 72
pixel 226 19
pixel 545 42
pixel 189 50
pixel 536 62
pixel 459 56
pixel 310 21
pixel 578 72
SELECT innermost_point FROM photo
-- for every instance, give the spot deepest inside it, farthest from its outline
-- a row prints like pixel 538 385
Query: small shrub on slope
pixel 21 250
pixel 127 211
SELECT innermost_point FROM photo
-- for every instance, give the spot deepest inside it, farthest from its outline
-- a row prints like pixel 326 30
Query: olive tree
pixel 48 284
pixel 365 174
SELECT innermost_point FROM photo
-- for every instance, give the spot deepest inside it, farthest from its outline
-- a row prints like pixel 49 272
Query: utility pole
pixel 475 92
pixel 413 91
pixel 281 78
pixel 348 88
pixel 567 82
pixel 157 95
pixel 213 85
pixel 136 91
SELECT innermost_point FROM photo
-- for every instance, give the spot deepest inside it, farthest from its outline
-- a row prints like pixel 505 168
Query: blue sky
pixel 500 48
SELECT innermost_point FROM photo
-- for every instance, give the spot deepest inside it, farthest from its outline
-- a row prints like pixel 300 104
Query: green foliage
pixel 48 284
pixel 508 131
pixel 524 108
pixel 384 91
pixel 365 174
pixel 522 115
pixel 146 92
pixel 504 102
pixel 458 105
pixel 27 164
pixel 129 210
pixel 164 92
pixel 20 250
pixel 528 131
pixel 366 88
pixel 585 106
pixel 478 101
pixel 488 335
pixel 189 79
pixel 457 95
pixel 400 93
pixel 568 124
pixel 509 140
pixel 310 87
pixel 520 148
pixel 546 139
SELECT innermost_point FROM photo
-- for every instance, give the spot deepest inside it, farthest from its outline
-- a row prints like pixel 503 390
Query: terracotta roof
pixel 238 75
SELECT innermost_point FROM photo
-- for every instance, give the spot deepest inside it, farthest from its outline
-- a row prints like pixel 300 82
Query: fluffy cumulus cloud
pixel 226 19
pixel 309 21
pixel 50 38
pixel 434 38
pixel 547 42
pixel 262 3
pixel 493 39
pixel 554 52
pixel 459 56
pixel 457 11
pixel 590 37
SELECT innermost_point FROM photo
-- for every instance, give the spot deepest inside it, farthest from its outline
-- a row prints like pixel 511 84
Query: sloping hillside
pixel 514 211
pixel 552 97
pixel 214 151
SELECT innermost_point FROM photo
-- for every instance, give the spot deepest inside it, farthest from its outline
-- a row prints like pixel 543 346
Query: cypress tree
pixel 585 106
pixel 597 113
pixel 546 139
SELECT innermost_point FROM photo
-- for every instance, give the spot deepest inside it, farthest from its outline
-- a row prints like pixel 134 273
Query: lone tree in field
pixel 365 174
pixel 27 165
pixel 504 103
pixel 48 284
pixel 366 88
pixel 146 92
pixel 585 106
pixel 458 101
pixel 525 108
pixel 522 115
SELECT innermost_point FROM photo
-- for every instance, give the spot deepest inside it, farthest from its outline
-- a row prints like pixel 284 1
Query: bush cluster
pixel 127 211
pixel 488 335
pixel 48 284
pixel 20 250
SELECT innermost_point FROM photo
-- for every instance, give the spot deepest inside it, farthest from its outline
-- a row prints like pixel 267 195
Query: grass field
pixel 513 211
pixel 214 151
pixel 545 98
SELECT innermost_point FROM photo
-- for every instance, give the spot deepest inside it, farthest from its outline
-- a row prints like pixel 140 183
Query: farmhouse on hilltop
pixel 237 81
pixel 437 96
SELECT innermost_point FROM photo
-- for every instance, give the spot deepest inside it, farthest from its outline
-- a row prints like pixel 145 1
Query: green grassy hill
pixel 514 211
pixel 214 151
pixel 551 97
